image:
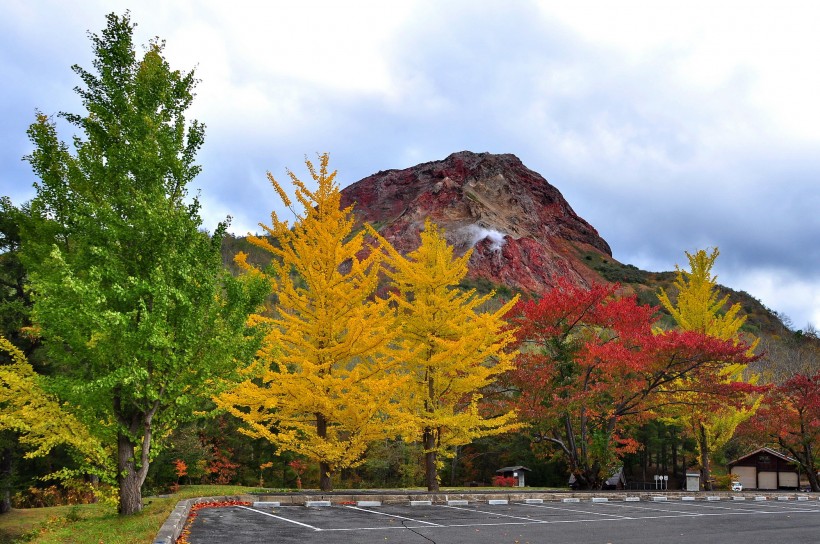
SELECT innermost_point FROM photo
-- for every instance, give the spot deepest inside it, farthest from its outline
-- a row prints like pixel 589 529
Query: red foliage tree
pixel 790 418
pixel 590 364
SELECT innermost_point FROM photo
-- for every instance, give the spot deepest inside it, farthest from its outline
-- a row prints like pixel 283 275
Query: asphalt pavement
pixel 553 522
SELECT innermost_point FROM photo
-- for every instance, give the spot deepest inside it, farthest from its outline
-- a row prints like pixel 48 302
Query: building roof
pixel 513 469
pixel 770 451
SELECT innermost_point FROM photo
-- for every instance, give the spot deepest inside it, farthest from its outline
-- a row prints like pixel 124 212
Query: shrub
pixel 505 481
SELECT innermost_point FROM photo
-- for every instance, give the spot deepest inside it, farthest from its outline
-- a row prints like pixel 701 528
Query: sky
pixel 669 126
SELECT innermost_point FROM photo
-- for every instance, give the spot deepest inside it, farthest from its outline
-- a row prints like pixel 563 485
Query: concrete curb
pixel 173 526
pixel 399 497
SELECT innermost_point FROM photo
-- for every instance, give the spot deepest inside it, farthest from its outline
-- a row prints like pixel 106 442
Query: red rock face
pixel 523 232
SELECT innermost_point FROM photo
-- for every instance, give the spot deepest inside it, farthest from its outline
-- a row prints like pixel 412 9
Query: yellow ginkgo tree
pixel 319 387
pixel 451 349
pixel 698 307
pixel 39 420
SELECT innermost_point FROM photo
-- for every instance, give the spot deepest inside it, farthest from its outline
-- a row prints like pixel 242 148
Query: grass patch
pixel 96 523
pixel 613 271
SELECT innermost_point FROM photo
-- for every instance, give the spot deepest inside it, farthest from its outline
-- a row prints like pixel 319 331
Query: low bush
pixel 505 481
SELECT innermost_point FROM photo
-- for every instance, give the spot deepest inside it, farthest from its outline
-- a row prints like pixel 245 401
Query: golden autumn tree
pixel 319 387
pixel 699 308
pixel 40 421
pixel 452 350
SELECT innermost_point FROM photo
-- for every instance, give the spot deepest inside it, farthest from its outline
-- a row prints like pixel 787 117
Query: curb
pixel 173 526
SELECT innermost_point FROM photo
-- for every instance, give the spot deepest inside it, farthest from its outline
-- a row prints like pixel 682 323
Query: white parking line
pixel 389 528
pixel 392 515
pixel 623 518
pixel 655 509
pixel 496 514
pixel 281 518
pixel 577 511
pixel 751 507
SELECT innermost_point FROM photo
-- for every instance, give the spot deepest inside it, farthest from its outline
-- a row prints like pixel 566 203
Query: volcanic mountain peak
pixel 524 233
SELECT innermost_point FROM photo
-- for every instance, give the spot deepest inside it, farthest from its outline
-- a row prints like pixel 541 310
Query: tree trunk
pixel 5 479
pixel 675 461
pixel 128 477
pixel 454 467
pixel 325 481
pixel 807 460
pixel 811 470
pixel 430 469
pixel 133 456
pixel 428 438
pixel 705 468
pixel 94 480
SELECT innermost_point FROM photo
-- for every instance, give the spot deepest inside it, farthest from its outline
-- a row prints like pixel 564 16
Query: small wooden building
pixel 766 468
pixel 515 472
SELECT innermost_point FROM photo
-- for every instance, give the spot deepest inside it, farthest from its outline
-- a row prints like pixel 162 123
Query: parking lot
pixel 647 521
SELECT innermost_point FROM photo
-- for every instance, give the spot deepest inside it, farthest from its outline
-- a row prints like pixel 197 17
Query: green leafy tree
pixel 15 302
pixel 139 319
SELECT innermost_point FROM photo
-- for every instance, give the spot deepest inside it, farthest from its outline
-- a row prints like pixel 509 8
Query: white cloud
pixel 782 291
pixel 768 47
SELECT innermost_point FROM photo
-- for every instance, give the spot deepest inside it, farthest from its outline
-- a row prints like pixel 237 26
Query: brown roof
pixel 763 450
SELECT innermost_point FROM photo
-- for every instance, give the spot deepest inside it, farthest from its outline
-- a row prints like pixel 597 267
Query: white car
pixel 737 486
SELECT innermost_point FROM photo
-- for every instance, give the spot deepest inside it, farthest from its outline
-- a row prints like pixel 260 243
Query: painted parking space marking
pixel 392 515
pixel 577 511
pixel 757 508
pixel 401 527
pixel 499 514
pixel 658 508
pixel 734 507
pixel 794 506
pixel 280 518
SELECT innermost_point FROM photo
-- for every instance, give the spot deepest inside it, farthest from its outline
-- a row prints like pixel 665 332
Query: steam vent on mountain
pixel 523 232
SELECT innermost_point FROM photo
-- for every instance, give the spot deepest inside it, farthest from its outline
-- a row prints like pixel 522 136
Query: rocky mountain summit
pixel 524 234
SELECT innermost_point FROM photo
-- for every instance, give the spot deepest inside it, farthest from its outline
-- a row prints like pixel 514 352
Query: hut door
pixel 746 475
pixel 767 480
pixel 788 479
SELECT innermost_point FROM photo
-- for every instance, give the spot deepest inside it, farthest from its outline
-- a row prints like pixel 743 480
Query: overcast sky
pixel 669 126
